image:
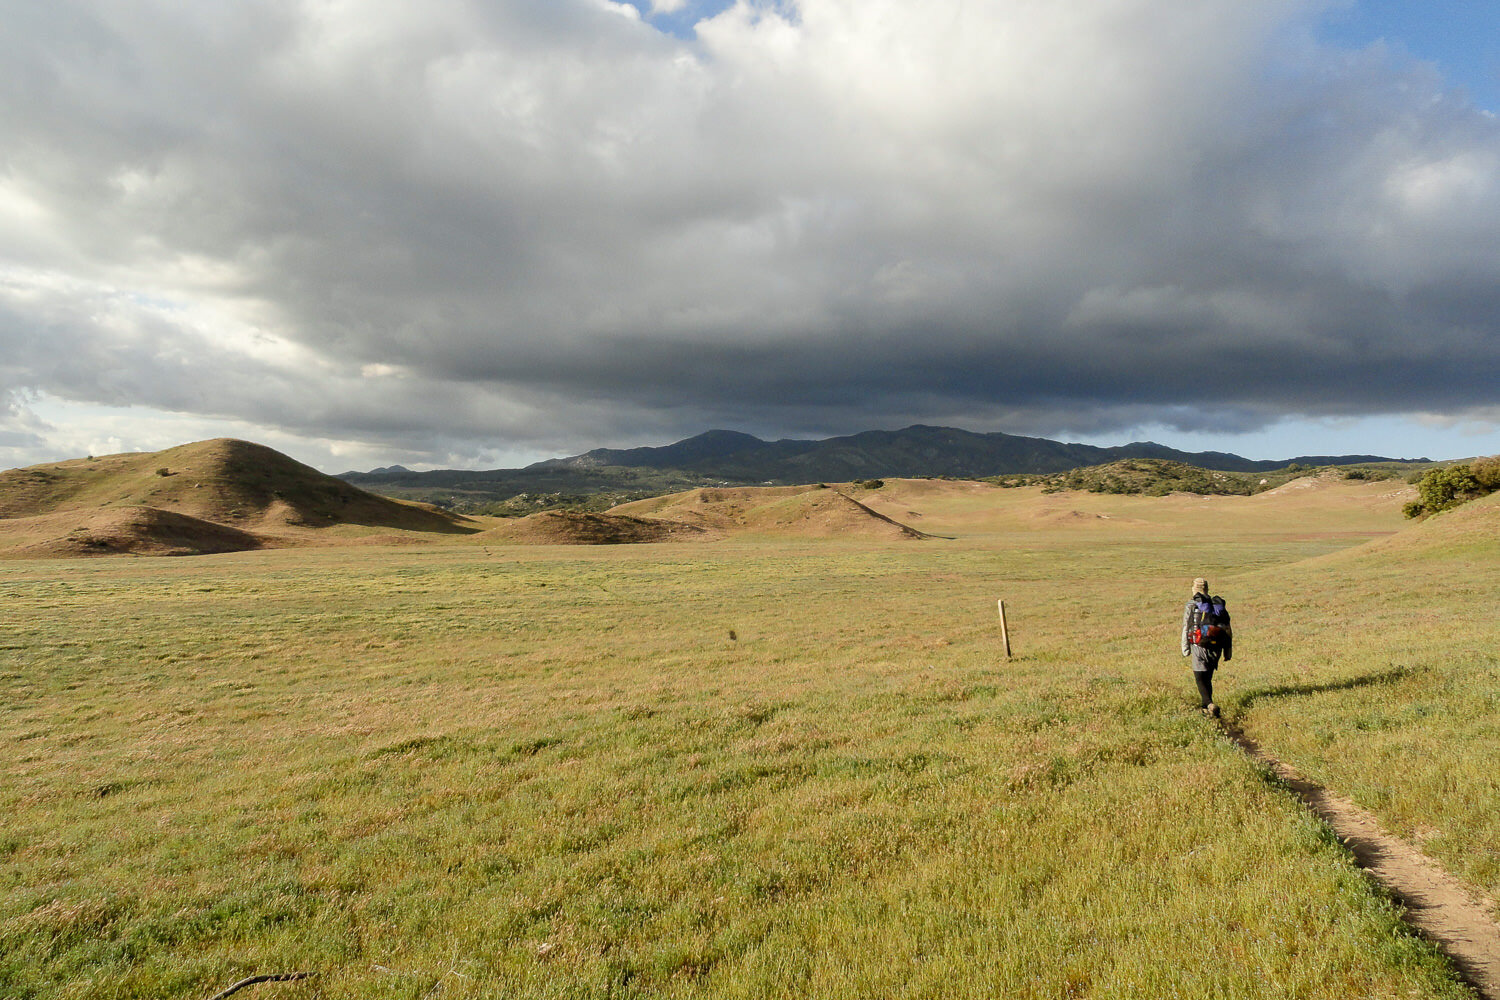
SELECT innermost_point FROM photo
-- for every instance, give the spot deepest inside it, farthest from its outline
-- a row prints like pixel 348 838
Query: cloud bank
pixel 433 227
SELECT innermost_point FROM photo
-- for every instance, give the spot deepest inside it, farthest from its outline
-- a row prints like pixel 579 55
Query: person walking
pixel 1206 637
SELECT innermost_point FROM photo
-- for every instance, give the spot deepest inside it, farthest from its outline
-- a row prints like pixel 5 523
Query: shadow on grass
pixel 1391 676
pixel 1432 904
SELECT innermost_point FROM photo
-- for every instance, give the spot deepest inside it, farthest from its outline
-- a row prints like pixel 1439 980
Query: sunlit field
pixel 1380 677
pixel 758 767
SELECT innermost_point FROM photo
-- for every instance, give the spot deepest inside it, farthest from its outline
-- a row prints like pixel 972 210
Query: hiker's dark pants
pixel 1205 681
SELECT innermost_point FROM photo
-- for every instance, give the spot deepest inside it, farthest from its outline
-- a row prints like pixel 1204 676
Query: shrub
pixel 1486 472
pixel 1443 489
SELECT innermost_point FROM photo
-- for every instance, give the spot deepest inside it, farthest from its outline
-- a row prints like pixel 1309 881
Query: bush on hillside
pixel 1486 472
pixel 1371 475
pixel 1443 489
pixel 1143 477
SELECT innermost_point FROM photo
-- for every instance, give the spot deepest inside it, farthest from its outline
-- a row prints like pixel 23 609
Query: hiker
pixel 1206 636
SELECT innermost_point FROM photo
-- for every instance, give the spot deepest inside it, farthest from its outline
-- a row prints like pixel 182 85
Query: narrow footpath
pixel 1439 906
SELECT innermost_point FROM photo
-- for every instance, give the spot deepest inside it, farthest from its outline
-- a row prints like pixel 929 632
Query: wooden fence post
pixel 1004 632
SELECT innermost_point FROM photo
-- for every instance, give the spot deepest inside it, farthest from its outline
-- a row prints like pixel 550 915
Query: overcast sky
pixel 475 233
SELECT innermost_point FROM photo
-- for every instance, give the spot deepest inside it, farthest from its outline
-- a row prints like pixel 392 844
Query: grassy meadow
pixel 753 768
pixel 1381 678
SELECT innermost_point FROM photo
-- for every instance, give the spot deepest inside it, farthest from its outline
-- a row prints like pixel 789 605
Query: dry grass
pixel 747 769
pixel 557 527
pixel 209 496
pixel 801 511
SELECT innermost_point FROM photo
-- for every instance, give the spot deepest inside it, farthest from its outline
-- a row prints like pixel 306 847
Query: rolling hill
pixel 709 515
pixel 807 511
pixel 209 496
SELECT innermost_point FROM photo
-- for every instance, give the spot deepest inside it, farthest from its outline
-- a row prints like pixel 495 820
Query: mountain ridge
pixel 738 458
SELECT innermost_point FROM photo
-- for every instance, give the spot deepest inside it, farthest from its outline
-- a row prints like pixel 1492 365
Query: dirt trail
pixel 1438 905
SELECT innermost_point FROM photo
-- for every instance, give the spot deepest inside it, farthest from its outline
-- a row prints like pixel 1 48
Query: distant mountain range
pixel 733 458
pixel 916 451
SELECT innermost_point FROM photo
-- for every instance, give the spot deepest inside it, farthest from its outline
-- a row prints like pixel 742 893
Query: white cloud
pixel 418 226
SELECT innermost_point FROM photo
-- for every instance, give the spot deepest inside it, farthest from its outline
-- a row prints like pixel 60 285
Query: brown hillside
pixel 260 495
pixel 223 480
pixel 1472 524
pixel 722 508
pixel 557 527
pixel 145 531
pixel 811 511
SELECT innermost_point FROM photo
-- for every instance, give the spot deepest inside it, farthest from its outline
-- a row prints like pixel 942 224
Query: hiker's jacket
pixel 1203 658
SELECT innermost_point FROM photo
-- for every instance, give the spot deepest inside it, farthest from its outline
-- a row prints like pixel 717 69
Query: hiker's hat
pixel 1200 586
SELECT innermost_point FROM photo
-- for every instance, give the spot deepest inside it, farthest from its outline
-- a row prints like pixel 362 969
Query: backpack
pixel 1210 625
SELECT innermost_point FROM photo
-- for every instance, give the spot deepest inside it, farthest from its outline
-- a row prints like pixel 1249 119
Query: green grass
pixel 1380 677
pixel 552 773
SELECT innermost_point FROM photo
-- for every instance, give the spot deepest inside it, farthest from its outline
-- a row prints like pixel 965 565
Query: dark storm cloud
pixel 554 224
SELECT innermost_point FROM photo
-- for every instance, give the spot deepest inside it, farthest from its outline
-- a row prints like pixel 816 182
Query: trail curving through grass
pixel 1436 904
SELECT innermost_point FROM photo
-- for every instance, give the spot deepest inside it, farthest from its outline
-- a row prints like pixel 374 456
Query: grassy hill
pixel 1151 477
pixel 710 515
pixel 807 511
pixel 560 527
pixel 209 496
